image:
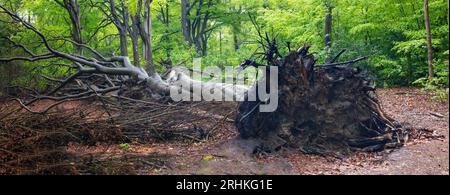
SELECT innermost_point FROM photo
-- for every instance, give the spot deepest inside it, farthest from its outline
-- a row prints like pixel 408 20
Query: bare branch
pixel 96 53
pixel 343 63
pixel 19 45
pixel 29 59
pixel 337 56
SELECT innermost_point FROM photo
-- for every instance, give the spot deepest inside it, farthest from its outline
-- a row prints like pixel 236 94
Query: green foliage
pixel 439 84
pixel 390 32
pixel 124 146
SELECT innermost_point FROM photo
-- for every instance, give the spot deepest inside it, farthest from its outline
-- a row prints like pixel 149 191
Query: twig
pixel 337 56
pixel 341 63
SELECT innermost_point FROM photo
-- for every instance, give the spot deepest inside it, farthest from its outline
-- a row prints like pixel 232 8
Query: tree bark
pixel 73 9
pixel 235 39
pixel 328 26
pixel 195 31
pixel 146 36
pixel 134 33
pixel 165 20
pixel 328 29
pixel 123 42
pixel 185 21
pixel 429 44
pixel 135 46
pixel 120 20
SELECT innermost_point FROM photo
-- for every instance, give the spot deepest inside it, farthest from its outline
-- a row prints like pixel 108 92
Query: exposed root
pixel 324 109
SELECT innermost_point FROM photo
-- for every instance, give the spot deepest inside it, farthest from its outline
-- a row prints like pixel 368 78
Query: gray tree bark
pixel 146 36
pixel 429 44
pixel 185 20
pixel 328 26
pixel 120 20
pixel 73 9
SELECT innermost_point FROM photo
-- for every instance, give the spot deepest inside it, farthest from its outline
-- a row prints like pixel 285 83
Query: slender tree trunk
pixel 196 29
pixel 120 20
pixel 235 39
pixel 73 9
pixel 429 44
pixel 76 29
pixel 185 21
pixel 196 32
pixel 123 42
pixel 220 42
pixel 135 34
pixel 328 27
pixel 135 46
pixel 146 36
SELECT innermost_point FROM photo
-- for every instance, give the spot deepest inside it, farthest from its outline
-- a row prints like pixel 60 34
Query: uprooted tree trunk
pixel 322 109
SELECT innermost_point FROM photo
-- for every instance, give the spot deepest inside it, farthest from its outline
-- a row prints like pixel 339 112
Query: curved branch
pixel 28 26
pixel 19 45
pixel 337 56
pixel 342 63
pixel 96 53
pixel 50 106
pixel 29 59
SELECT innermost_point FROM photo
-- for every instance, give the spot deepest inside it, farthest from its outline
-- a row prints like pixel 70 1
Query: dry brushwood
pixel 328 108
pixel 33 143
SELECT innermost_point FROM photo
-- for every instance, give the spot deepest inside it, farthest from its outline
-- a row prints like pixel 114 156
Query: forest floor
pixel 225 153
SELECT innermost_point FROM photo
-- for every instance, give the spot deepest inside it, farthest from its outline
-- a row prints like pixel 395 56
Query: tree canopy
pixel 391 33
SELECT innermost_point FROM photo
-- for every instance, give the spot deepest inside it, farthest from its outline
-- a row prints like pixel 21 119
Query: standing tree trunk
pixel 185 20
pixel 220 42
pixel 195 32
pixel 328 29
pixel 235 27
pixel 202 36
pixel 120 20
pixel 134 35
pixel 429 45
pixel 164 18
pixel 235 39
pixel 123 42
pixel 134 32
pixel 73 9
pixel 146 36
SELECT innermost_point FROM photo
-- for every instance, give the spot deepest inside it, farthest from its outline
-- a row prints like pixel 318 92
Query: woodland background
pixel 392 33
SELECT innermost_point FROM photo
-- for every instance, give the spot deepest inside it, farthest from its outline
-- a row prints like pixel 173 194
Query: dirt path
pixel 421 157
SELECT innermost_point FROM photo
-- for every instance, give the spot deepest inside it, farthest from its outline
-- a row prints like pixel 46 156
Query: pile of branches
pixel 36 143
pixel 148 121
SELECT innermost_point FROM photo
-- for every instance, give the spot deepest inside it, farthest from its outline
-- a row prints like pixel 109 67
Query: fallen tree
pixel 323 108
